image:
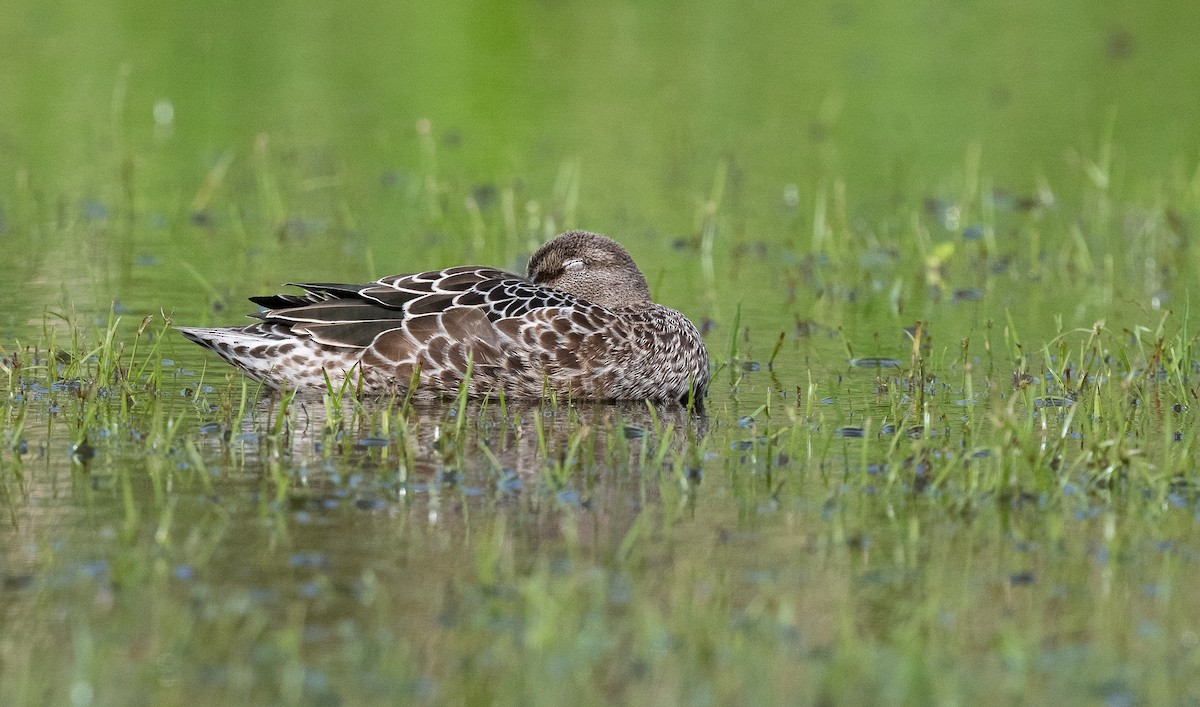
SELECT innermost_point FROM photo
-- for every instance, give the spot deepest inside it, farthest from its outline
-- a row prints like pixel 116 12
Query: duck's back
pixel 425 331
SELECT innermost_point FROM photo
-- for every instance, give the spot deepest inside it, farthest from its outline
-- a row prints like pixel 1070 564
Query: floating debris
pixel 570 498
pixel 82 452
pixel 308 560
pixel 875 362
pixel 509 482
pixel 973 233
pixel 1051 401
pixel 373 442
pixel 1021 578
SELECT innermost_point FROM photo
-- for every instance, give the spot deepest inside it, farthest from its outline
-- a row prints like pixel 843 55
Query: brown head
pixel 592 267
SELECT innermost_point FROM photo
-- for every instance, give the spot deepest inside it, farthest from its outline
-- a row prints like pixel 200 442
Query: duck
pixel 580 325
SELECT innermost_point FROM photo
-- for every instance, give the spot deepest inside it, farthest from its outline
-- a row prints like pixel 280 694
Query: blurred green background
pixel 647 97
pixel 823 174
pixel 263 142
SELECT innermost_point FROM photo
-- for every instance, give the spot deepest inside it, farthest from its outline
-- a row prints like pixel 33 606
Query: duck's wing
pixel 354 316
pixel 525 338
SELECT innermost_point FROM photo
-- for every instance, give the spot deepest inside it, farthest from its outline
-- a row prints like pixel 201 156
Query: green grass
pixel 949 450
pixel 1017 525
pixel 1006 514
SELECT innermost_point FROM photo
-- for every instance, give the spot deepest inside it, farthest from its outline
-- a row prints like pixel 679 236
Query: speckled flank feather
pixel 580 325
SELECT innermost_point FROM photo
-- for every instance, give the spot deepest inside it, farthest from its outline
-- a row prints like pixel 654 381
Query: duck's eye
pixel 573 265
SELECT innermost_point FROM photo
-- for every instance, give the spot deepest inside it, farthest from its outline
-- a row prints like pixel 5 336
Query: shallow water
pixel 941 255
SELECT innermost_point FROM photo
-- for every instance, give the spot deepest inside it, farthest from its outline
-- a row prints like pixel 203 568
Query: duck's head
pixel 591 267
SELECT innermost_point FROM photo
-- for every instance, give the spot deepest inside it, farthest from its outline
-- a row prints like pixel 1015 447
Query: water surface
pixel 994 200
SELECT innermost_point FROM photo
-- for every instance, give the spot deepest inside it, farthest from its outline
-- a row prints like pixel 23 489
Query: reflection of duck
pixel 581 325
pixel 441 465
pixel 427 438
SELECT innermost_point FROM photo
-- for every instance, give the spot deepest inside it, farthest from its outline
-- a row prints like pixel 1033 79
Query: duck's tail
pixel 260 354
